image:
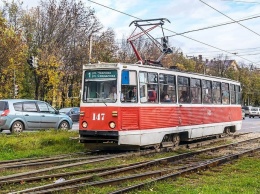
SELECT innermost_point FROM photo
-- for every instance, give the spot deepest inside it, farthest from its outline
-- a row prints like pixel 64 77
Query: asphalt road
pixel 251 125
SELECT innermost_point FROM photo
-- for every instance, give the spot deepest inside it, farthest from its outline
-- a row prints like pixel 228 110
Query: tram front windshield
pixel 100 86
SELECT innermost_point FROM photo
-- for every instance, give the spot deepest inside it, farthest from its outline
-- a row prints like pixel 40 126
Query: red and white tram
pixel 136 105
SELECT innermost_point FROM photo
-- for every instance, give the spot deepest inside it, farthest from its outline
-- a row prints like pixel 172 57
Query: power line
pixel 172 31
pixel 249 54
pixel 242 1
pixel 229 17
pixel 217 25
pixel 214 26
pixel 232 50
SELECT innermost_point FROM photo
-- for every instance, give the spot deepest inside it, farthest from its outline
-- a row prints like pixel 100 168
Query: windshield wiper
pixel 101 98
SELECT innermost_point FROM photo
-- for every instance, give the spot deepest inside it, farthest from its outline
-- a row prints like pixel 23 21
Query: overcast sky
pixel 186 15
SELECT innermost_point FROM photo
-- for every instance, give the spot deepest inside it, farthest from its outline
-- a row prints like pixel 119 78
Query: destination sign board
pixel 101 74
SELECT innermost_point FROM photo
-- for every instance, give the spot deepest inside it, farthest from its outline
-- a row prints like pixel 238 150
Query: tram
pixel 133 106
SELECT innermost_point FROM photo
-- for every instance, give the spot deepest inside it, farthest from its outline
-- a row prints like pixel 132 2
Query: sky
pixel 238 41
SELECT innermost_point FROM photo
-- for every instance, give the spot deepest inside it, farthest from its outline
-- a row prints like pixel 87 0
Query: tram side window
pixel 225 93
pixel 167 88
pixel 148 87
pixel 233 93
pixel 238 95
pixel 206 92
pixel 184 89
pixel 129 92
pixel 216 92
pixel 195 91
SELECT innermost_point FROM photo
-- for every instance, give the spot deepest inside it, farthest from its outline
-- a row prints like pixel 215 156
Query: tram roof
pixel 104 66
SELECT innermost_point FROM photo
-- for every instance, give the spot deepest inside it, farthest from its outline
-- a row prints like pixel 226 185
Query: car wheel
pixel 64 125
pixel 17 127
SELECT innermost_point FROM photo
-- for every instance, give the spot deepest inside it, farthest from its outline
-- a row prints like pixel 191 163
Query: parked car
pixel 243 114
pixel 18 115
pixel 72 112
pixel 246 108
pixel 253 112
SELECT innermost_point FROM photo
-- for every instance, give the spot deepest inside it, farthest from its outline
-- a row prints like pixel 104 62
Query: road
pixel 251 125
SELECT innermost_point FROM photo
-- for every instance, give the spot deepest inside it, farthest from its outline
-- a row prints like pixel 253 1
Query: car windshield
pixel 65 110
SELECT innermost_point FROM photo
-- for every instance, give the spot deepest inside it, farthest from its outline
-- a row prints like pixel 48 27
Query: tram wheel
pixel 157 147
pixel 227 130
pixel 176 140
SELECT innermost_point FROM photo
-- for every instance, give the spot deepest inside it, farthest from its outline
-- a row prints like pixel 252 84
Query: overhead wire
pixel 214 26
pixel 243 1
pixel 230 18
pixel 232 50
pixel 173 32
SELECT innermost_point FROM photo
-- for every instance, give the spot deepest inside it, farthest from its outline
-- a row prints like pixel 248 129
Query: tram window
pixel 152 78
pixel 216 92
pixel 98 85
pixel 184 89
pixel 225 93
pixel 195 91
pixel 238 95
pixel 206 92
pixel 167 88
pixel 233 93
pixel 148 87
pixel 129 92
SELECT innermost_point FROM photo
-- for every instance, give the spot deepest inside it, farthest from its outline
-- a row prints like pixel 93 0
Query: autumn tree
pixel 12 57
pixel 57 33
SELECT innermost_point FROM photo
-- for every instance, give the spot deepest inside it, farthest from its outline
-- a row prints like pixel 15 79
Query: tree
pixel 12 57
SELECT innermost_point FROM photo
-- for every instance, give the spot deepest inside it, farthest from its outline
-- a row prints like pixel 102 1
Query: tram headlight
pixel 84 124
pixel 112 125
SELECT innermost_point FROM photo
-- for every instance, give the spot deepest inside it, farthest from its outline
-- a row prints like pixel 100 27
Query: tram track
pixel 186 161
pixel 18 163
pixel 18 176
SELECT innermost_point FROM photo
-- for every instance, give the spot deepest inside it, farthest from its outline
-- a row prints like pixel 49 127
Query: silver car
pixel 254 111
pixel 18 115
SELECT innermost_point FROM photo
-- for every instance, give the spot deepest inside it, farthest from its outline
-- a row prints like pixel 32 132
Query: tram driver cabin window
pixel 129 91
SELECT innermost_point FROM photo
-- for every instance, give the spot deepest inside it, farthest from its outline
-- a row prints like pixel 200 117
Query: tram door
pixel 129 98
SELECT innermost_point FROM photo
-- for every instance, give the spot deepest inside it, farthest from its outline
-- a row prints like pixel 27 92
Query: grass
pixel 242 176
pixel 38 144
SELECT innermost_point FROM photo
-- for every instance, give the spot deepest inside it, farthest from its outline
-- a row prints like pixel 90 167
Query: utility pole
pixel 90 48
pixel 14 83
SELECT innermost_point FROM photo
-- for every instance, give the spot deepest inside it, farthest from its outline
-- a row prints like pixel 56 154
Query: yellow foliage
pixel 13 53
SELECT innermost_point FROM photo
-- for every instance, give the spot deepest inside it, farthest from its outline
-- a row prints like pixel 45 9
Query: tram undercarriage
pixel 107 140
